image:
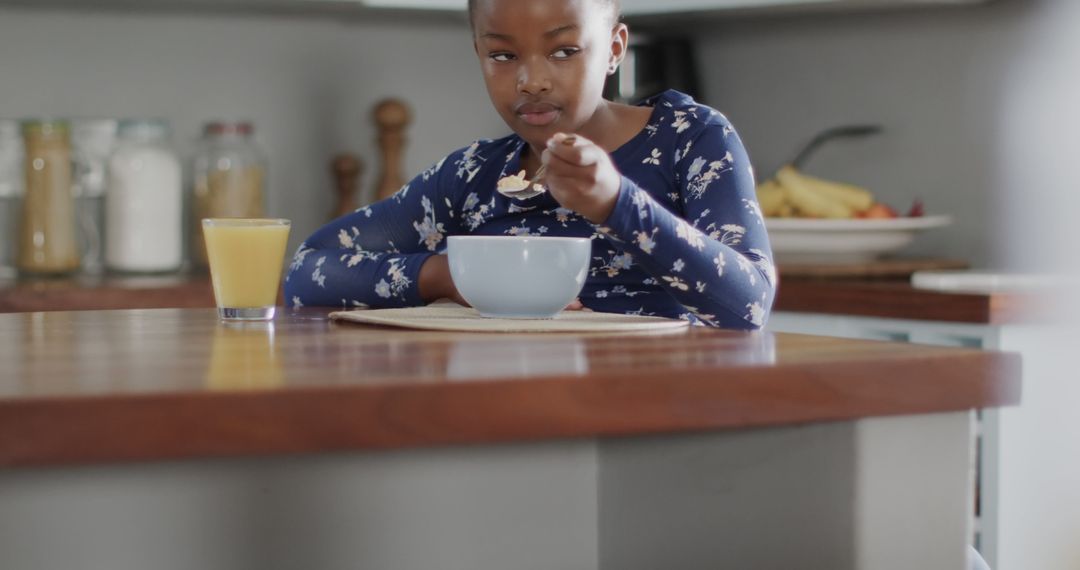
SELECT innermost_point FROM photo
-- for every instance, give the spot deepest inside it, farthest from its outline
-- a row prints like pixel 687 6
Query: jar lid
pixel 44 127
pixel 94 127
pixel 9 128
pixel 145 128
pixel 244 128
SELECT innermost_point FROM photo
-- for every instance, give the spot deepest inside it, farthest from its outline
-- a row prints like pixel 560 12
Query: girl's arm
pixel 715 260
pixel 373 256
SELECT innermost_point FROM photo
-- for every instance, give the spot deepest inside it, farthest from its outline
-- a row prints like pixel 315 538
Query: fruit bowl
pixel 841 241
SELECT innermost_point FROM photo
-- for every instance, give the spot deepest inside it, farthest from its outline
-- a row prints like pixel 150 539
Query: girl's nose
pixel 533 78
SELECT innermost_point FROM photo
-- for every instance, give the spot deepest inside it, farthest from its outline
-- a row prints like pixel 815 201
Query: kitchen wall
pixel 979 104
pixel 981 107
pixel 976 100
pixel 308 84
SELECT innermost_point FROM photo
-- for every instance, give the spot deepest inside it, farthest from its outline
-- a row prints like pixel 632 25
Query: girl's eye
pixel 565 53
pixel 501 56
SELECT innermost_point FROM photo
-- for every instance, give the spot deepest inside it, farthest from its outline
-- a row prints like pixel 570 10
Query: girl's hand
pixel 576 305
pixel 435 281
pixel 580 176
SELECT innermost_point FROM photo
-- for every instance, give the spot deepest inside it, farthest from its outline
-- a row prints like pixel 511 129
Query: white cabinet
pixel 1028 465
pixel 645 7
pixel 653 7
pixel 642 7
pixel 631 8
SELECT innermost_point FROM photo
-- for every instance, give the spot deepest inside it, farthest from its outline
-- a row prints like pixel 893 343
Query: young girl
pixel 665 189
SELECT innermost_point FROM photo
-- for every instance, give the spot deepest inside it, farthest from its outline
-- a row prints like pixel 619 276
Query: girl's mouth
pixel 539 119
pixel 537 114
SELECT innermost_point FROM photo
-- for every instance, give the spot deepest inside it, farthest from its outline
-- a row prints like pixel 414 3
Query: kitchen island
pixel 1026 517
pixel 165 439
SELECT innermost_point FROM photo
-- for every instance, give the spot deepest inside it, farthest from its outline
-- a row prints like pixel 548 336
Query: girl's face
pixel 545 61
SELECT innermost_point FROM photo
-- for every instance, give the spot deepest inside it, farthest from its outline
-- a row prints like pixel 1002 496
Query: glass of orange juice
pixel 246 256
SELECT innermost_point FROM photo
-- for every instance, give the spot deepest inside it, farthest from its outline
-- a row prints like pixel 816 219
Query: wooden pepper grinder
pixel 391 118
pixel 346 169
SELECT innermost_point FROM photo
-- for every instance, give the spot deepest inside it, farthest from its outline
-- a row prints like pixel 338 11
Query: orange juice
pixel 246 257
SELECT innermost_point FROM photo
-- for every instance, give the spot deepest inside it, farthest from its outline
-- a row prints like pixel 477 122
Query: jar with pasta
pixel 229 179
pixel 47 242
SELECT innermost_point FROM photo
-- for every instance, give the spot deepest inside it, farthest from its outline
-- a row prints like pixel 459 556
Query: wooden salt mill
pixel 346 169
pixel 391 118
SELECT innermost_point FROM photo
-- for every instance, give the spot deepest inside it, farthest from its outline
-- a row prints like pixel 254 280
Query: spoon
pixel 517 187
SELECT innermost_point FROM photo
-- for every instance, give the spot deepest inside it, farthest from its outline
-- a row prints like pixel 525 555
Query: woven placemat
pixel 457 318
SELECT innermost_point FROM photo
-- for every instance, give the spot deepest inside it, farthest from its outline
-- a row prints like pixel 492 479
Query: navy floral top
pixel 686 238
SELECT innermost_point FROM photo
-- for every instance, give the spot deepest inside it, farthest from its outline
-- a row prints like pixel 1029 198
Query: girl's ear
pixel 620 35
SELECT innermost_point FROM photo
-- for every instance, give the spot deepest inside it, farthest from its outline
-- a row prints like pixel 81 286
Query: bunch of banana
pixel 794 194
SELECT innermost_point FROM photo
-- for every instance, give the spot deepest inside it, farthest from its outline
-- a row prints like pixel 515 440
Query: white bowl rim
pixel 858 224
pixel 519 238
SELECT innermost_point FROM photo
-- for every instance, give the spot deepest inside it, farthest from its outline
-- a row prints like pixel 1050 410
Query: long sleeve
pixel 715 259
pixel 685 238
pixel 372 257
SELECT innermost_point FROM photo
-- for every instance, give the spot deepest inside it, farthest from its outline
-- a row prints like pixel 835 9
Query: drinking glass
pixel 246 256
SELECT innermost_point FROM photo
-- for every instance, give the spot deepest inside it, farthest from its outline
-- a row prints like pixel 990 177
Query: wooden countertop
pixel 861 297
pixel 132 385
pixel 899 300
pixel 88 292
pixel 877 298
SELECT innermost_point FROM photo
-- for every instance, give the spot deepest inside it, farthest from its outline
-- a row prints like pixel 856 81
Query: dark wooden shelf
pixel 899 300
pixel 876 298
pixel 106 292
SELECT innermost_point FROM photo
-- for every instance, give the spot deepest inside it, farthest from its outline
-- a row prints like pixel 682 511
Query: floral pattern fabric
pixel 686 238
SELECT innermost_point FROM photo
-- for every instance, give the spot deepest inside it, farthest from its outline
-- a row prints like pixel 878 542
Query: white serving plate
pixel 816 240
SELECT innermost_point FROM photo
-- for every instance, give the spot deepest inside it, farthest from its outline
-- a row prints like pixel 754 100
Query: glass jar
pixel 144 201
pixel 11 188
pixel 47 244
pixel 229 179
pixel 92 142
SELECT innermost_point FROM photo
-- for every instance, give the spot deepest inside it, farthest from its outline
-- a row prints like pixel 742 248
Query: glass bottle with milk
pixel 229 179
pixel 144 201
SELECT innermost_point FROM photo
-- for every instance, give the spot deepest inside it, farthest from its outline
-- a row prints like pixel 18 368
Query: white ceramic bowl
pixel 813 240
pixel 519 277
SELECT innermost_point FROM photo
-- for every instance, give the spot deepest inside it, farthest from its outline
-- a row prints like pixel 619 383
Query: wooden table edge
pixel 106 429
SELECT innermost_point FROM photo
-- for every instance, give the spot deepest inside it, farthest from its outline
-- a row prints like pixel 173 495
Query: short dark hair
pixel 613 5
